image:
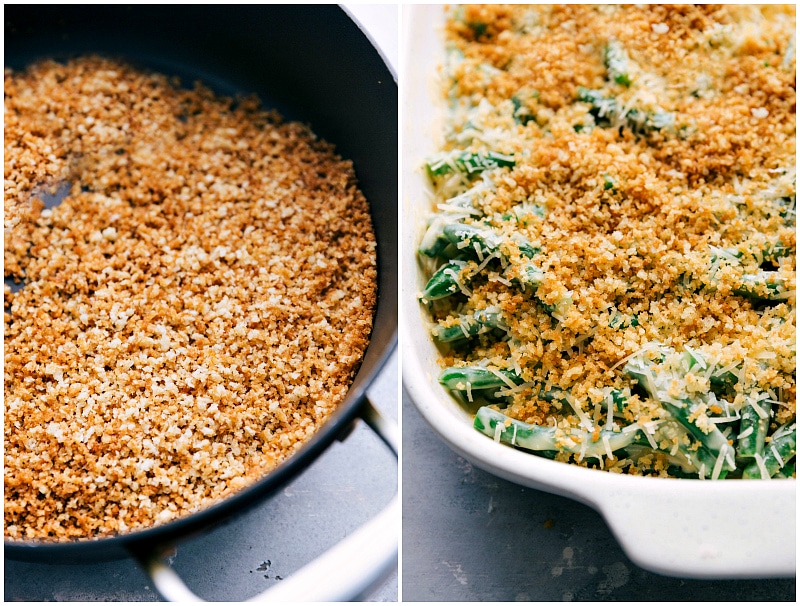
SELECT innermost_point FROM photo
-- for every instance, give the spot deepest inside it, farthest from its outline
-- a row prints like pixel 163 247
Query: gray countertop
pixel 470 536
pixel 347 485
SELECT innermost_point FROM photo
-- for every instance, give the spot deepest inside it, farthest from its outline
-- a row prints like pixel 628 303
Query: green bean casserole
pixel 610 260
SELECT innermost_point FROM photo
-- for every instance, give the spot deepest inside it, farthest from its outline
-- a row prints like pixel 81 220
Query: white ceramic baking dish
pixel 685 528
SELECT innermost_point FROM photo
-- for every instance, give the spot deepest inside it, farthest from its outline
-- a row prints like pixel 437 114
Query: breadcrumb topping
pixel 187 316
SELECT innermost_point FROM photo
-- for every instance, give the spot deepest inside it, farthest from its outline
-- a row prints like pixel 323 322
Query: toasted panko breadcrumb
pixel 189 314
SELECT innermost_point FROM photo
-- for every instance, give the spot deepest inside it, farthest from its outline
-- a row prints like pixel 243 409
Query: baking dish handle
pixel 701 525
pixel 346 572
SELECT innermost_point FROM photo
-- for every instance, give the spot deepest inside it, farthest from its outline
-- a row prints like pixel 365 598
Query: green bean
pixel 444 282
pixel 467 163
pixel 694 457
pixel 651 121
pixel 604 110
pixel 455 210
pixel 462 378
pixel 530 277
pixel 720 380
pixel 476 242
pixel 681 410
pixel 471 240
pixel 770 252
pixel 782 448
pixel 712 438
pixel 449 280
pixel 787 209
pixel 538 438
pixel 704 461
pixel 522 113
pixel 560 308
pixel 616 62
pixel 582 442
pixel 434 242
pixel 774 251
pixel 619 399
pixel 674 440
pixel 762 286
pixel 470 325
pixel 520 212
pixel 752 430
pixel 619 322
pixel 526 249
pixel 725 381
pixel 607 113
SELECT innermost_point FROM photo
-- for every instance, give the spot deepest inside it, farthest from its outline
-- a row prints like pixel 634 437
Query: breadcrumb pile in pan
pixel 187 316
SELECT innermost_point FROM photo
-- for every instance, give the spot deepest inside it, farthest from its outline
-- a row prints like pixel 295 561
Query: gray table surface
pixel 351 482
pixel 470 536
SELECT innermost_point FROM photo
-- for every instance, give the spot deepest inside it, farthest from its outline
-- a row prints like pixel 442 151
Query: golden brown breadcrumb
pixel 187 316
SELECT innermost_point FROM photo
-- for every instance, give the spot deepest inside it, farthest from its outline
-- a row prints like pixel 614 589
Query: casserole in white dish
pixel 678 527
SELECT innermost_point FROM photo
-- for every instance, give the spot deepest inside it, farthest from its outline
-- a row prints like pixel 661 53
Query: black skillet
pixel 311 63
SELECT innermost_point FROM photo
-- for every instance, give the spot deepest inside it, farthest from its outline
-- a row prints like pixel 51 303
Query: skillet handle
pixel 346 572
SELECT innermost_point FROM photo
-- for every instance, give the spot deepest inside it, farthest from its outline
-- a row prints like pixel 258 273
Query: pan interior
pixel 312 65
